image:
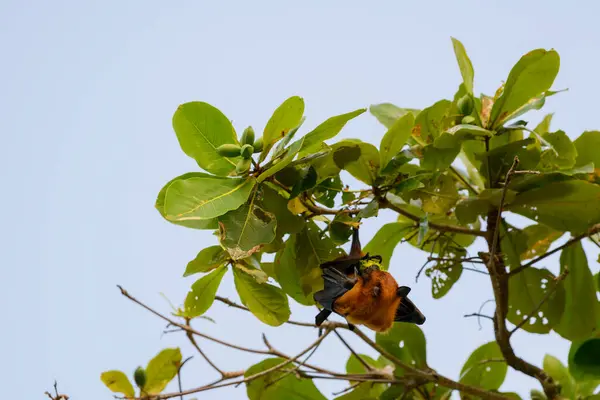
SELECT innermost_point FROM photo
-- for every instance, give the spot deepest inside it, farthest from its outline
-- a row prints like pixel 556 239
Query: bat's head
pixel 368 264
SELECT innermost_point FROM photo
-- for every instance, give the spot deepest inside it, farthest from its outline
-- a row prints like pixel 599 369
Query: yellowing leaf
pixel 118 382
pixel 161 370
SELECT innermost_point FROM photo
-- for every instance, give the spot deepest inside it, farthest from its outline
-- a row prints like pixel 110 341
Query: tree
pixel 450 172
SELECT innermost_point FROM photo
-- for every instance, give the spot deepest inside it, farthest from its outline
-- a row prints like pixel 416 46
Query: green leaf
pixel 366 390
pixel 454 136
pixel 395 138
pixel 526 291
pixel 118 382
pixel 565 206
pixel 431 122
pixel 273 201
pixel 584 360
pixel 444 275
pixel 279 384
pixel 259 275
pixel 478 372
pixel 544 126
pixel 268 303
pixel 327 190
pixel 287 116
pixel 196 224
pixel 533 75
pixel 587 145
pixel 386 239
pixel 435 159
pixel 203 292
pixel 326 130
pixel 244 230
pixel 561 376
pixel 576 323
pixel 201 129
pixel 464 64
pixel 405 342
pixel 562 154
pixel 501 158
pixel 206 260
pixel 203 197
pixel 365 167
pixel 387 114
pixel 538 240
pixel 161 370
pixel 308 180
pixel 297 266
pixel 340 228
pixel 284 162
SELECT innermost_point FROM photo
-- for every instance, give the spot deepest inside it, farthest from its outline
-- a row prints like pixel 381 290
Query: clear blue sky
pixel 87 92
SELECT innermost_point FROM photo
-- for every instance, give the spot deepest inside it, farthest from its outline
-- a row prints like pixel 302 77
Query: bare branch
pixel 240 307
pixel 354 353
pixel 190 336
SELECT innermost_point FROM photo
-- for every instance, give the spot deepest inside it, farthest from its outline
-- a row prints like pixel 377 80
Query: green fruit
pixel 247 151
pixel 469 120
pixel 243 165
pixel 465 105
pixel 140 377
pixel 247 136
pixel 258 145
pixel 229 150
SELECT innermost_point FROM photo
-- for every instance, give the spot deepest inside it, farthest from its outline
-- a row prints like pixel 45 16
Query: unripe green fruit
pixel 247 151
pixel 243 166
pixel 465 105
pixel 248 136
pixel 468 120
pixel 229 150
pixel 140 377
pixel 258 145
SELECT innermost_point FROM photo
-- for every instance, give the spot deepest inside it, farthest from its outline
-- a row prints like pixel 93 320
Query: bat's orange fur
pixel 371 302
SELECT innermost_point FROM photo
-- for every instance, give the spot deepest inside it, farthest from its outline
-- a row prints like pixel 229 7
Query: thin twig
pixel 593 230
pixel 240 307
pixel 179 374
pixel 190 336
pixel 464 180
pixel 557 282
pixel 478 316
pixel 354 353
pixel 349 388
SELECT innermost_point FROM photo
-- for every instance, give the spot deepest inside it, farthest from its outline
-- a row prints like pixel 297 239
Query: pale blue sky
pixel 87 94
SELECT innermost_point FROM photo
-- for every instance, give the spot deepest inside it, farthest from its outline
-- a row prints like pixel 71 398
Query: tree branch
pixel 385 203
pixel 593 230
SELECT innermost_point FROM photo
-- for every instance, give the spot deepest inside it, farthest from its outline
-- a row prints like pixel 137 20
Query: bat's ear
pixel 403 291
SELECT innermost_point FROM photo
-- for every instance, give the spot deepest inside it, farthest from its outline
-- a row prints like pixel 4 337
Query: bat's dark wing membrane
pixel 335 284
pixel 408 312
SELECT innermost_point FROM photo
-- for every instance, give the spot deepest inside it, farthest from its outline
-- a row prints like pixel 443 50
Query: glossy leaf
pixel 292 151
pixel 244 230
pixel 201 129
pixel 308 180
pixel 580 318
pixel 268 303
pixel 565 206
pixel 487 375
pixel 273 201
pixel 464 64
pixel 161 370
pixel 197 223
pixel 386 239
pixel 526 291
pixel 406 342
pixel 327 190
pixel 561 376
pixel 118 382
pixel 327 130
pixel 279 384
pixel 203 292
pixel 584 360
pixel 533 74
pixel 431 122
pixel 206 260
pixel 203 197
pixel 562 154
pixel 297 266
pixel 587 145
pixel 544 126
pixel 395 138
pixel 387 114
pixel 454 136
pixel 360 159
pixel 287 116
pixel 435 159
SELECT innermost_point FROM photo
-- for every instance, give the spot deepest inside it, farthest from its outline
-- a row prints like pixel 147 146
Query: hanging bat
pixel 358 290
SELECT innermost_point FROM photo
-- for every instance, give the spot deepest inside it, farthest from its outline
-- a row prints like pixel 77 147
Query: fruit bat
pixel 356 288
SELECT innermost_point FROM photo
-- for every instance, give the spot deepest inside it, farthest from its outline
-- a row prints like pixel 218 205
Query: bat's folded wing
pixel 408 312
pixel 335 284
